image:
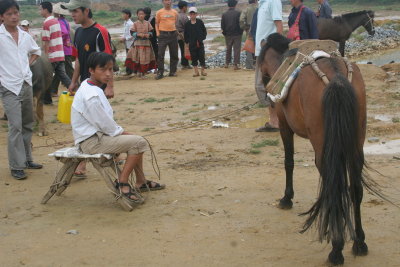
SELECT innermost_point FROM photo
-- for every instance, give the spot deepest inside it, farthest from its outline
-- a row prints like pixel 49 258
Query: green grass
pixel 266 142
pixel 195 119
pixel 155 100
pixel 254 151
pixel 147 129
pixel 395 119
pixel 219 39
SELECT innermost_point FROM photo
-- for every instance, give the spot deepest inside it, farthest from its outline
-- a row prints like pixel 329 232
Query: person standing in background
pixel 307 21
pixel 324 9
pixel 127 37
pixel 180 27
pixel 53 47
pixel 59 13
pixel 233 34
pixel 269 20
pixel 153 38
pixel 166 19
pixel 245 20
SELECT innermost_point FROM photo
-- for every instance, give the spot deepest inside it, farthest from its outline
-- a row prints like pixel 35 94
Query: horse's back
pixel 42 74
pixel 304 106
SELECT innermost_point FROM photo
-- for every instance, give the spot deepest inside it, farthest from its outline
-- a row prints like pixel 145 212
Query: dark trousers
pixel 236 43
pixel 184 61
pixel 68 69
pixel 61 74
pixel 197 54
pixel 169 39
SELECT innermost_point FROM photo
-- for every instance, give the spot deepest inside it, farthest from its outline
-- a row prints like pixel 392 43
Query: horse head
pixel 368 22
pixel 272 55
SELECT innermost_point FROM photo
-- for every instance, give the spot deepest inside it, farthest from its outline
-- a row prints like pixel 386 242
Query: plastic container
pixel 64 107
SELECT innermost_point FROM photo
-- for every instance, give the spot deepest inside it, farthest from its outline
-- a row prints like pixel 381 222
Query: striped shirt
pixel 52 33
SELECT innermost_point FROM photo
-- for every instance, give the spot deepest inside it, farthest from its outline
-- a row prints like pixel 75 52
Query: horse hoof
pixel 285 204
pixel 360 248
pixel 336 258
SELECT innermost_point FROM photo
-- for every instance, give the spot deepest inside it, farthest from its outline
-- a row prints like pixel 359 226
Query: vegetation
pixel 266 142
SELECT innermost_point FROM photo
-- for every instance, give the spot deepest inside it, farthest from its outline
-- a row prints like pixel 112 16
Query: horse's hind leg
pixel 336 255
pixel 287 139
pixel 360 248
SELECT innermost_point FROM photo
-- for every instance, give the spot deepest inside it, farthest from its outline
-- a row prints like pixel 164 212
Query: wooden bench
pixel 105 164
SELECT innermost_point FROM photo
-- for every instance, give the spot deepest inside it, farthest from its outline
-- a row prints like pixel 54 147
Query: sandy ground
pixel 219 208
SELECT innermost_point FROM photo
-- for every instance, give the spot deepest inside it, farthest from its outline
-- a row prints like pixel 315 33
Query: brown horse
pixel 333 118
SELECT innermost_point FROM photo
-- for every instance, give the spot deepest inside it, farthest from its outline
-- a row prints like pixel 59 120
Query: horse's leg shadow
pixel 287 139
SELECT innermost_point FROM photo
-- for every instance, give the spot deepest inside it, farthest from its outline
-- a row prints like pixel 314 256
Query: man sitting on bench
pixel 95 130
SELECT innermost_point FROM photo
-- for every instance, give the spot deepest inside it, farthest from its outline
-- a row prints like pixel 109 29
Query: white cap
pixel 192 9
pixel 24 23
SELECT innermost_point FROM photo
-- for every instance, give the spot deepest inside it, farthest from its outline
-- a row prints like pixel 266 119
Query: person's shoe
pixel 49 103
pixel 33 165
pixel 159 76
pixel 188 67
pixel 226 66
pixel 4 118
pixel 18 174
pixel 172 74
pixel 236 67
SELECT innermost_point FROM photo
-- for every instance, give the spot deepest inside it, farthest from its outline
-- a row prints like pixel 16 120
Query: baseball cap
pixel 59 10
pixel 192 9
pixel 74 4
pixel 24 23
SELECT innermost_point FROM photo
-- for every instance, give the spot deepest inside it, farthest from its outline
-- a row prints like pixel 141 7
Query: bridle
pixel 370 20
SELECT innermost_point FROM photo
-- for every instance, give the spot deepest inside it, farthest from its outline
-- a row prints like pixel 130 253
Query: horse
pixel 333 118
pixel 340 28
pixel 42 76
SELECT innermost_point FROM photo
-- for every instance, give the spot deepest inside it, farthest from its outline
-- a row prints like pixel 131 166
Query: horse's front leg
pixel 342 45
pixel 287 139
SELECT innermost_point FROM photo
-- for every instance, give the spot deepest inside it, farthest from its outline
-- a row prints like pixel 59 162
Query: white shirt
pixel 127 33
pixel 14 60
pixel 268 12
pixel 91 112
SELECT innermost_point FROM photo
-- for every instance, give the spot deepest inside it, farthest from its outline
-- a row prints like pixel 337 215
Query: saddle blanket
pixel 74 152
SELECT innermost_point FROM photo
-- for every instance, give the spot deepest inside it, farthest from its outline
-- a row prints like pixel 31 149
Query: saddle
pixel 295 58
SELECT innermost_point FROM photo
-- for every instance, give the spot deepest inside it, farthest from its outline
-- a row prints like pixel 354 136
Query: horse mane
pixel 276 41
pixel 344 17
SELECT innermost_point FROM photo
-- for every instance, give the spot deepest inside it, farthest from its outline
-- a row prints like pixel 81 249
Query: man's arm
pixel 223 24
pixel 279 26
pixel 75 77
pixel 32 59
pixel 157 20
pixel 109 91
pixel 243 20
pixel 46 47
pixel 312 25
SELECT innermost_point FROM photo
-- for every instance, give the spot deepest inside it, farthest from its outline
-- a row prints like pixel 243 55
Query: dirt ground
pixel 219 207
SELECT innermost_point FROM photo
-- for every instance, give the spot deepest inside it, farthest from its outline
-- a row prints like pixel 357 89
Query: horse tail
pixel 341 163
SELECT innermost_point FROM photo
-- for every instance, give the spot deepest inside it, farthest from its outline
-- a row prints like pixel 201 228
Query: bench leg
pixel 109 173
pixel 65 173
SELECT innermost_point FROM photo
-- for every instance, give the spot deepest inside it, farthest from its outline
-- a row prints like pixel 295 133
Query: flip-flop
pixel 148 186
pixel 267 128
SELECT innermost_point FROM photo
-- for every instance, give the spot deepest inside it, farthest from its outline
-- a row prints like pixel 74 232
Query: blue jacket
pixel 325 11
pixel 307 23
pixel 253 26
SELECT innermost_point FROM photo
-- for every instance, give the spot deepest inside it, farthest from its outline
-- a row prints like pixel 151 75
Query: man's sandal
pixel 148 186
pixel 132 192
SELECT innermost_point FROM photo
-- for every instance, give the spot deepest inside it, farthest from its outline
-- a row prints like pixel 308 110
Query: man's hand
pixel 72 87
pixel 122 39
pixel 109 91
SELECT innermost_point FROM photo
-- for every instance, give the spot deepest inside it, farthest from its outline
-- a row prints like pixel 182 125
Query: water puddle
pixel 380 59
pixel 253 124
pixel 383 117
pixel 387 148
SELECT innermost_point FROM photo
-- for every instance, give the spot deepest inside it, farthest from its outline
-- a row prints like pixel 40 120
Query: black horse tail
pixel 341 163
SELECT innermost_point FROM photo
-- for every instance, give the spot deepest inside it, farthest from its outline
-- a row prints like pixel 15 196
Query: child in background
pixel 141 56
pixel 195 34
